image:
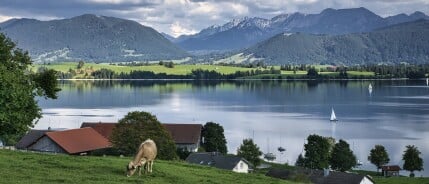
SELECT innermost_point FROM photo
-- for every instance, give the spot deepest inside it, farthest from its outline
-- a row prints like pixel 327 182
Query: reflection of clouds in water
pixel 411 97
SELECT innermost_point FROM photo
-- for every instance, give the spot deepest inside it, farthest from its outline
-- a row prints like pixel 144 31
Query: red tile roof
pixel 184 133
pixel 390 168
pixel 103 128
pixel 79 140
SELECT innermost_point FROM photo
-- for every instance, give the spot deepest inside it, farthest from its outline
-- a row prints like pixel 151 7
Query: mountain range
pixel 91 38
pixel 406 42
pixel 354 35
pixel 242 33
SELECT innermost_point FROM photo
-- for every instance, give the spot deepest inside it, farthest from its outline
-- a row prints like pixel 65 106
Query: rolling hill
pixel 91 38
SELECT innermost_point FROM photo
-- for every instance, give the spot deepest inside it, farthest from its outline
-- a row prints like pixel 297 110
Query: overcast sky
pixel 177 17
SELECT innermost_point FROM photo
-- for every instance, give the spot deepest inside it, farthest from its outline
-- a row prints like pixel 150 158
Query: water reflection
pixel 395 114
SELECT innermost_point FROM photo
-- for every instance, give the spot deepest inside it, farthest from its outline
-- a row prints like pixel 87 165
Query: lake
pixel 273 113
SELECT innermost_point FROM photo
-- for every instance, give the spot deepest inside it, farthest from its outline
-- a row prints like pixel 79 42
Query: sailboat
pixel 333 117
pixel 370 87
pixel 427 81
pixel 269 156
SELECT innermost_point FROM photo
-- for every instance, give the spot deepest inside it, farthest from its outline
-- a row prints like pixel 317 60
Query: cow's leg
pixel 151 166
pixel 143 164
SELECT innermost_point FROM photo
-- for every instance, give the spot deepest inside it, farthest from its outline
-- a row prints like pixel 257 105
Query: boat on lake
pixel 333 117
pixel 427 81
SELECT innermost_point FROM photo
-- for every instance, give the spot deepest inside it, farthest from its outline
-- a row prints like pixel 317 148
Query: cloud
pixel 176 30
pixel 186 16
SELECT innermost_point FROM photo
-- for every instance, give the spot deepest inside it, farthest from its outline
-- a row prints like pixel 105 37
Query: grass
pixel 25 167
pixel 179 69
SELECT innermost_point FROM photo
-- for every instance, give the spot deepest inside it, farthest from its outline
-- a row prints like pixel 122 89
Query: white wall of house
pixel 365 180
pixel 189 147
pixel 241 167
pixel 45 144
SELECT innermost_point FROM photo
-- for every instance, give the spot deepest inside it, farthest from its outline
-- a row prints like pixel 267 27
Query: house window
pixel 241 165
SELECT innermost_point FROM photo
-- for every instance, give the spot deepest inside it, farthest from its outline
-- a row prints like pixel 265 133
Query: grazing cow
pixel 144 158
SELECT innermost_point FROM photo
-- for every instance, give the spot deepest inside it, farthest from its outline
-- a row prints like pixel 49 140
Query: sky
pixel 177 17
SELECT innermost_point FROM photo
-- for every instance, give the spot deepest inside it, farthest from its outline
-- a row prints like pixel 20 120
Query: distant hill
pixel 242 33
pixel 91 38
pixel 406 42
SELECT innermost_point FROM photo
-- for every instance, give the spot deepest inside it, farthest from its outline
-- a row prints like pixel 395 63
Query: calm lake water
pixel 274 113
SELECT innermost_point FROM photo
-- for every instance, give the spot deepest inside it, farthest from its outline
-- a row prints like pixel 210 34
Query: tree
pixel 412 160
pixel 80 64
pixel 250 151
pixel 135 128
pixel 312 73
pixel 342 158
pixel 317 151
pixel 300 161
pixel 18 88
pixel 213 138
pixel 378 156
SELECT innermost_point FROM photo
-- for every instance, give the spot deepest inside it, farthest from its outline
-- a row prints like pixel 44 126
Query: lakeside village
pixel 326 160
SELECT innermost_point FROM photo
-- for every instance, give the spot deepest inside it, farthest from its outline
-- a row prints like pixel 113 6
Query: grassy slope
pixel 20 167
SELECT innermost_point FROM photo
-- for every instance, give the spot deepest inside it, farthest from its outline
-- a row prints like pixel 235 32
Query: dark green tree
pixel 250 151
pixel 18 88
pixel 378 156
pixel 312 73
pixel 135 128
pixel 214 138
pixel 412 160
pixel 300 161
pixel 80 64
pixel 317 152
pixel 342 158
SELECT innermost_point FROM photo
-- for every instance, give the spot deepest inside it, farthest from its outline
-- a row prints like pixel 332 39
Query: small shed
pixel 390 170
pixel 215 159
pixel 74 141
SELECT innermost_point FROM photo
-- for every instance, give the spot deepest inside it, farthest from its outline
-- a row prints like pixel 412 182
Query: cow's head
pixel 131 169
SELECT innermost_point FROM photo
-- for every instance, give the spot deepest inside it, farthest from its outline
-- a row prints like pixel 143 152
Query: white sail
pixel 427 81
pixel 333 117
pixel 370 87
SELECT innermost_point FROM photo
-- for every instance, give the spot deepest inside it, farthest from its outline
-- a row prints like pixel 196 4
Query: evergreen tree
pixel 250 151
pixel 412 160
pixel 378 156
pixel 342 158
pixel 214 138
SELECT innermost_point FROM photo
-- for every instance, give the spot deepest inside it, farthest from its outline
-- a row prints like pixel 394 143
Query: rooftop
pixel 79 140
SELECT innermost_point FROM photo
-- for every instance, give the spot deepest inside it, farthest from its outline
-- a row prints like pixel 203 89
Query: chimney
pixel 325 172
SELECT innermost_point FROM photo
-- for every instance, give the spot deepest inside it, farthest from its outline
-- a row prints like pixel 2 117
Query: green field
pixel 179 69
pixel 20 167
pixel 184 69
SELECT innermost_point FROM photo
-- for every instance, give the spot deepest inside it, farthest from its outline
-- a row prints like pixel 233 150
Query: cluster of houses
pixel 92 136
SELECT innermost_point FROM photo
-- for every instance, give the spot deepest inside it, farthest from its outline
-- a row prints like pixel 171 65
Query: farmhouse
pixel 186 136
pixel 31 137
pixel 390 170
pixel 105 128
pixel 215 159
pixel 74 141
